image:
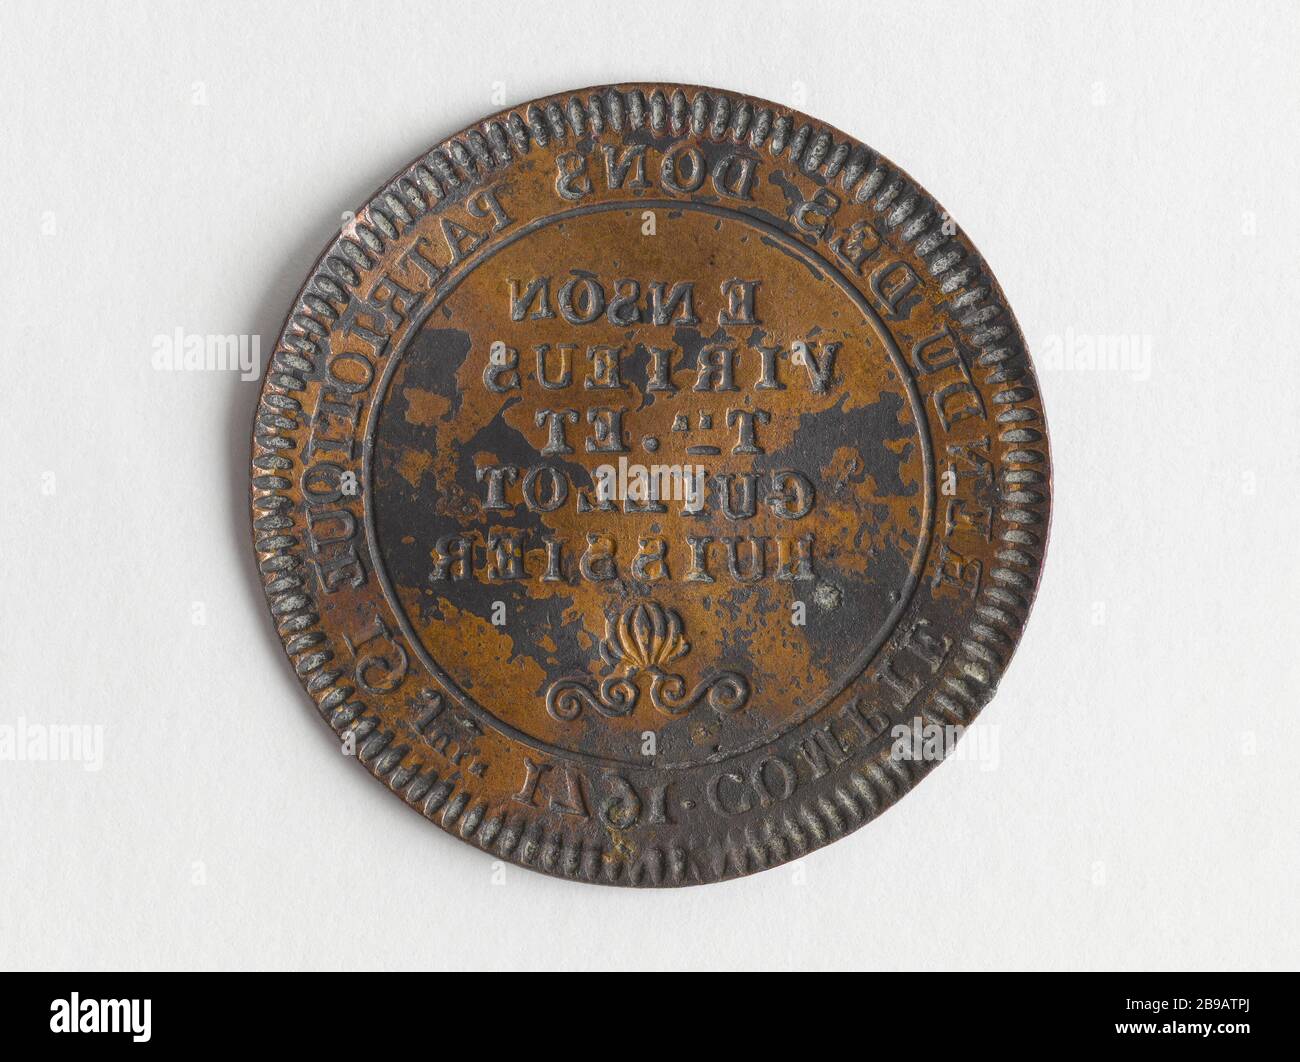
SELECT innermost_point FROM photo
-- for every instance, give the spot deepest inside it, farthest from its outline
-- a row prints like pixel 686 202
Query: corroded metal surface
pixel 632 467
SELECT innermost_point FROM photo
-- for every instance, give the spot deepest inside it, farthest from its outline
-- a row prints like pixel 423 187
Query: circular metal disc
pixel 637 471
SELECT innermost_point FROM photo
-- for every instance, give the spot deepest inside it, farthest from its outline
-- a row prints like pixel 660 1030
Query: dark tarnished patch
pixel 643 462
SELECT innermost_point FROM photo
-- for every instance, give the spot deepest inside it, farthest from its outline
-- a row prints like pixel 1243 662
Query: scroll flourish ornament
pixel 645 639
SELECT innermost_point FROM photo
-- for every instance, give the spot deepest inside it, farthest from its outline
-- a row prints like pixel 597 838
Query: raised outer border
pixel 968 679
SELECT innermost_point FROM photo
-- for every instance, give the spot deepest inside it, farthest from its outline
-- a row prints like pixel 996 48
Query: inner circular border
pixel 917 561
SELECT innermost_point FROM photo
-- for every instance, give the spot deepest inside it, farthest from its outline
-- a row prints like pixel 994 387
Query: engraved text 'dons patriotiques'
pixel 633 469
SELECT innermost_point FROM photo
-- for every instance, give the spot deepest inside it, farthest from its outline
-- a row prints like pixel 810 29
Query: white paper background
pixel 1125 169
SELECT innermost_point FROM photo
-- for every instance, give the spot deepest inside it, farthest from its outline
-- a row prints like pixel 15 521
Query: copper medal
pixel 634 469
